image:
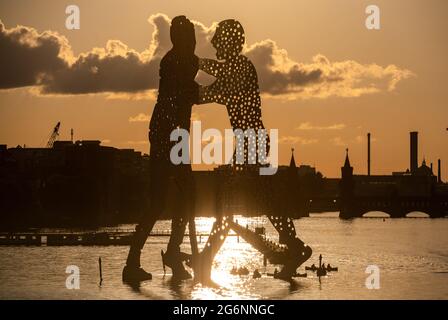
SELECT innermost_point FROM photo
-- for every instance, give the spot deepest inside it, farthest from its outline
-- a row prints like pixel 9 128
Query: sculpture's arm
pixel 210 66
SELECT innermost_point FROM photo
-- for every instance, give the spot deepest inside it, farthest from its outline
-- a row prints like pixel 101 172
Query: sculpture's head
pixel 228 39
pixel 182 34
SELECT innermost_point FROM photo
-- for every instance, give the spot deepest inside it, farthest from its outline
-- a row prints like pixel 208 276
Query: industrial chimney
pixel 368 154
pixel 414 152
pixel 439 172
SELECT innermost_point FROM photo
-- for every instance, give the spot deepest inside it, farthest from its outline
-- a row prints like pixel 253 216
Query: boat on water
pixel 321 272
pixel 296 275
pixel 326 268
pixel 243 271
pixel 256 274
pixel 311 268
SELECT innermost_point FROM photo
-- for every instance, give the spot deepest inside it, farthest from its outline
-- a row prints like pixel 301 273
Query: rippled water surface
pixel 412 254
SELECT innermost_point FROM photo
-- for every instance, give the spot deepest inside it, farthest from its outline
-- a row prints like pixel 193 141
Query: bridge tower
pixel 346 187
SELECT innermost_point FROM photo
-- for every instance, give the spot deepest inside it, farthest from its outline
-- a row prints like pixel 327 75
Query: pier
pixel 120 237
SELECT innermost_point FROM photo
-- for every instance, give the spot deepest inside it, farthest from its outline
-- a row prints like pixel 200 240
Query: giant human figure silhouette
pixel 237 88
pixel 177 93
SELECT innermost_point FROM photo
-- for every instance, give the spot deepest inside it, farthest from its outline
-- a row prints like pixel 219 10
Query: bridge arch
pixel 376 214
pixel 417 214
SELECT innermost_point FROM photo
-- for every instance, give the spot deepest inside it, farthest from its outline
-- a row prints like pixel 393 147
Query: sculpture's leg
pixel 191 193
pixel 193 237
pixel 159 174
pixel 298 252
pixel 142 231
pixel 203 265
pixel 173 257
pixel 186 190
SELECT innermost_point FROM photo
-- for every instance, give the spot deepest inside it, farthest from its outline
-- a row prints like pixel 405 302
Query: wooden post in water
pixel 101 270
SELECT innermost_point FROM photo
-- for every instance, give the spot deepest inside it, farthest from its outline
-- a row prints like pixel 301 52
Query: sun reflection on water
pixel 234 252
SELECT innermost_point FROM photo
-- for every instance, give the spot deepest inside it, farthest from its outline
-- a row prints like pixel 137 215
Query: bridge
pixel 397 194
pixel 352 195
pixel 396 207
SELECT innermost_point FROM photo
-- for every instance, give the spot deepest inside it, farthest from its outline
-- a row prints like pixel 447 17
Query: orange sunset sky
pixel 326 80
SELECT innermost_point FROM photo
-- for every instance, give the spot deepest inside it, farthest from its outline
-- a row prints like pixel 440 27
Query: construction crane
pixel 54 135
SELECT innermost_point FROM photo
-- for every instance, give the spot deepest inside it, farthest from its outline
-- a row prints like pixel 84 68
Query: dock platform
pixel 87 238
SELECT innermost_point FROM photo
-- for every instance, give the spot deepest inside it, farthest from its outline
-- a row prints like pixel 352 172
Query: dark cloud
pixel 105 71
pixel 281 80
pixel 45 60
pixel 276 81
pixel 29 58
pixel 26 57
pixel 281 76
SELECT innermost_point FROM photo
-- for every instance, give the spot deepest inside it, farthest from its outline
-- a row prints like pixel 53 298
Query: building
pixel 81 183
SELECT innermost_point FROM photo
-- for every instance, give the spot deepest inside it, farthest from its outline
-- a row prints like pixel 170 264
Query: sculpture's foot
pixel 134 275
pixel 204 278
pixel 297 253
pixel 202 268
pixel 287 272
pixel 174 261
pixel 202 274
pixel 181 274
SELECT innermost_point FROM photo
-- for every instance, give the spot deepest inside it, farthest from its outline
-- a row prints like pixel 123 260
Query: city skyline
pixel 392 91
pixel 417 160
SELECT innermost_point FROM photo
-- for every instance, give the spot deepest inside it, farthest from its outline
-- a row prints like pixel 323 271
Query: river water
pixel 411 254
